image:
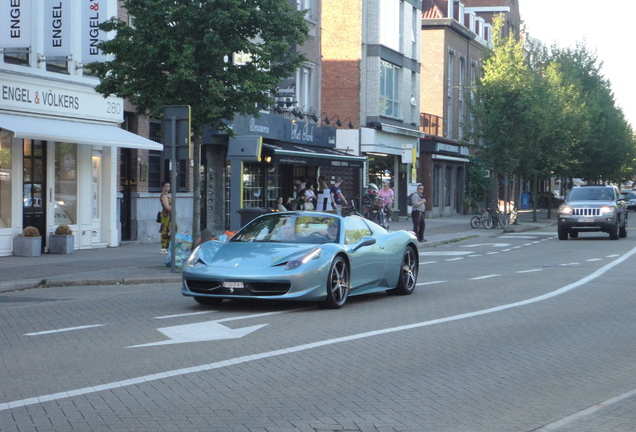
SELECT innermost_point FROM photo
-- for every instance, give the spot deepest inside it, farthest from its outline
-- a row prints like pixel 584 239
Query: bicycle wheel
pixel 475 221
pixel 502 218
pixel 486 220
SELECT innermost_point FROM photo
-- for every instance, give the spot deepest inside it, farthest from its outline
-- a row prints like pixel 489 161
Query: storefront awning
pixel 296 154
pixel 74 132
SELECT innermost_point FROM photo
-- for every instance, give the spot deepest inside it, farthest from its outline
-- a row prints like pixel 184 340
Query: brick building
pixel 454 36
pixel 371 79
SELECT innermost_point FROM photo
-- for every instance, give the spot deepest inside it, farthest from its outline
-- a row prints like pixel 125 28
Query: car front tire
pixel 338 284
pixel 623 231
pixel 563 234
pixel 408 273
pixel 615 231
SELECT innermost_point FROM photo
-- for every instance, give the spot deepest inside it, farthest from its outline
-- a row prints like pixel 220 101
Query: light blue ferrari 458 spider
pixel 309 256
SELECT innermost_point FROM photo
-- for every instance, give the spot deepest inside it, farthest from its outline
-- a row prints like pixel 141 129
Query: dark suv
pixel 593 208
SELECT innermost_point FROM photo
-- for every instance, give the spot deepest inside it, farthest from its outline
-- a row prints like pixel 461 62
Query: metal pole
pixel 174 187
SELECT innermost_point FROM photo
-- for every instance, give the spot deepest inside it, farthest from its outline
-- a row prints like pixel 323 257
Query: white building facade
pixel 58 138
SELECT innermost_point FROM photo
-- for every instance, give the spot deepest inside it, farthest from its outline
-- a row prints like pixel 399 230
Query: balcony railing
pixel 431 124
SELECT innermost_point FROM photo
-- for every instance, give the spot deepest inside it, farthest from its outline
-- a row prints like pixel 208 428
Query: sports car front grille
pixel 250 289
pixel 586 212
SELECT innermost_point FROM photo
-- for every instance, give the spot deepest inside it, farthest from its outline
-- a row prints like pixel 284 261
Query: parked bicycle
pixel 354 207
pixel 491 218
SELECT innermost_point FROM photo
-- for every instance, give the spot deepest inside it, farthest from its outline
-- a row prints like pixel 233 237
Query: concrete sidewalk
pixel 136 263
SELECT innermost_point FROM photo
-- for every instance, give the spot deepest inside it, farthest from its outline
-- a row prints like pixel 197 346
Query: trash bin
pixel 525 201
pixel 251 213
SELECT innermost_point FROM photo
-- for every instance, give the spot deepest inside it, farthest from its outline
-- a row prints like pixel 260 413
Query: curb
pixel 37 283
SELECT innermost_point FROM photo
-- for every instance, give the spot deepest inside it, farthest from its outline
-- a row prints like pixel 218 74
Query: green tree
pixel 221 57
pixel 504 102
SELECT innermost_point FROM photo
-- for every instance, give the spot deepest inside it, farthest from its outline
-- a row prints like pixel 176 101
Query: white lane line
pixel 579 415
pixel 299 348
pixel 485 277
pixel 428 262
pixel 454 259
pixel 182 315
pixel 430 283
pixel 445 253
pixel 594 259
pixel 63 330
pixel 529 271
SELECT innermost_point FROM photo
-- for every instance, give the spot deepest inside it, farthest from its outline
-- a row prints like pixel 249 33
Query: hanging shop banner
pixel 15 23
pixel 94 12
pixel 57 28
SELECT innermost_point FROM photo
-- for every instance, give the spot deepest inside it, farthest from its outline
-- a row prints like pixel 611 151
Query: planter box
pixel 61 244
pixel 27 246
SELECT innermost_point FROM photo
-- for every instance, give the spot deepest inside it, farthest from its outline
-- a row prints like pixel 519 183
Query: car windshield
pixel 628 195
pixel 591 194
pixel 291 228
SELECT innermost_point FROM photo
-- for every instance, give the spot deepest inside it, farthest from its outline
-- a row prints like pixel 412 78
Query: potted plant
pixel 63 241
pixel 28 244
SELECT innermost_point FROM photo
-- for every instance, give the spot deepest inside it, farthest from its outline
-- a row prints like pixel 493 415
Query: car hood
pixel 589 203
pixel 237 255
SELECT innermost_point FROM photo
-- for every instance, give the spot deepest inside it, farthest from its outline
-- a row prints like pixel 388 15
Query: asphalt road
pixel 516 332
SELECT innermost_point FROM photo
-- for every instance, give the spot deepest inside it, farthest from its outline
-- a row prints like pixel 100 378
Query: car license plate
pixel 232 284
pixel 586 220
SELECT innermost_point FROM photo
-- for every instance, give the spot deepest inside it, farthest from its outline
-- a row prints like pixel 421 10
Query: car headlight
pixel 297 262
pixel 566 210
pixel 194 259
pixel 607 210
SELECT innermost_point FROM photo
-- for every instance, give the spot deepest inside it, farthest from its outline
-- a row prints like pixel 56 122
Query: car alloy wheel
pixel 408 273
pixel 337 284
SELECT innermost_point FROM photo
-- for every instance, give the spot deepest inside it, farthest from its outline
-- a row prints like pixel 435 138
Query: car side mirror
pixel 365 241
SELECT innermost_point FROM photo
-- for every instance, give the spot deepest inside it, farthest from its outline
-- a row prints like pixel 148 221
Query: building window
pixel 389 89
pixel 390 26
pixel 309 6
pixel 305 89
pixel 17 56
pixel 154 158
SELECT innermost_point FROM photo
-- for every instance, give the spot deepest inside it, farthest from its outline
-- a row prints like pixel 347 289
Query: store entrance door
pixel 34 186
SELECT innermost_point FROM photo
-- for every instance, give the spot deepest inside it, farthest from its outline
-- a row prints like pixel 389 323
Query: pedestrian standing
pixel 166 217
pixel 418 212
pixel 337 198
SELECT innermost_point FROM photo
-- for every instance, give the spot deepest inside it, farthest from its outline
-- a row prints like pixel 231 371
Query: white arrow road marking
pixel 200 332
pixel 116 385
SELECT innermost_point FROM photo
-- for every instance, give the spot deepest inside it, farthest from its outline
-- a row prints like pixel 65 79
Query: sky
pixel 606 29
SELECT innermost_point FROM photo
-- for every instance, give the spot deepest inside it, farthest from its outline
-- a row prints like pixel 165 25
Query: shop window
pixel 5 179
pixel 252 185
pixel 65 183
pixel 448 186
pixel 437 185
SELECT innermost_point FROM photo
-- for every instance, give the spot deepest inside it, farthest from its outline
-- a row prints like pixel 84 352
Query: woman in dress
pixel 166 217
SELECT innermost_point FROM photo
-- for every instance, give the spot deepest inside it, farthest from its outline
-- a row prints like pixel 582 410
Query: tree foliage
pixel 550 112
pixel 184 52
